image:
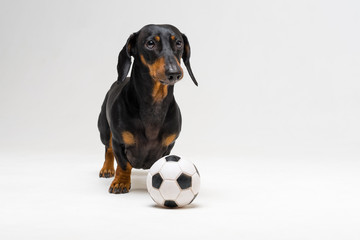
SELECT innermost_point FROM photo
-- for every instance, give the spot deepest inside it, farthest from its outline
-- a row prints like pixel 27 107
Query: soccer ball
pixel 173 182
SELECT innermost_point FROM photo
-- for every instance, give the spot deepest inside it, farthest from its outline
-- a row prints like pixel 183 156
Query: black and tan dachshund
pixel 139 119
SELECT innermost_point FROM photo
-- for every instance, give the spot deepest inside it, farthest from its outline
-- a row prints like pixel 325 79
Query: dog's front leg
pixel 122 180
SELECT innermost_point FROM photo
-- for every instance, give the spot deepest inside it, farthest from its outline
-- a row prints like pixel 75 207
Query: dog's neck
pixel 148 91
pixel 153 99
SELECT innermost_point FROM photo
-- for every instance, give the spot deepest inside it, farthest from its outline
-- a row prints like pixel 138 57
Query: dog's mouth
pixel 164 82
pixel 168 82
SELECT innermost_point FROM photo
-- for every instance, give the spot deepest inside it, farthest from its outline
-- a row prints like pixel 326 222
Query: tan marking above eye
pixel 172 37
pixel 157 38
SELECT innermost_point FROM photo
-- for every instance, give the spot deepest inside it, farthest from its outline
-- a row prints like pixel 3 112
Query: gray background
pixel 278 98
pixel 273 75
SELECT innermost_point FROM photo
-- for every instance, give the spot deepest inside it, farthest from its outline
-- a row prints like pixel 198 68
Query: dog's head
pixel 160 48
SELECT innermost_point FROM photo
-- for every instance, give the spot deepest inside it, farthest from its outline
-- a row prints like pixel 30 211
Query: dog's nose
pixel 173 74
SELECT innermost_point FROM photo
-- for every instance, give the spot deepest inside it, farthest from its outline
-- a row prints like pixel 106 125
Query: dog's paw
pixel 107 172
pixel 120 186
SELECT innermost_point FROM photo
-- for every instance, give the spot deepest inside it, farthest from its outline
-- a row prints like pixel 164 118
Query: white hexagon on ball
pixel 156 196
pixel 169 190
pixel 173 182
pixel 187 167
pixel 184 198
pixel 196 183
pixel 155 168
pixel 170 170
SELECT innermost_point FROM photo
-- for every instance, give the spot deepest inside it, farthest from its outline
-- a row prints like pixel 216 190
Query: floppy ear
pixel 124 59
pixel 186 58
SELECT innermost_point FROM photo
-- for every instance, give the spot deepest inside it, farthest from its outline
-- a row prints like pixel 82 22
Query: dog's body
pixel 140 119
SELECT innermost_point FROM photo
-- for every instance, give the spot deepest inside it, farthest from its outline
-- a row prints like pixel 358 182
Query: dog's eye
pixel 150 44
pixel 179 44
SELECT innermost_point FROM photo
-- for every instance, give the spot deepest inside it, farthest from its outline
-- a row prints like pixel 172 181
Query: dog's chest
pixel 153 121
pixel 149 142
pixel 149 134
pixel 148 147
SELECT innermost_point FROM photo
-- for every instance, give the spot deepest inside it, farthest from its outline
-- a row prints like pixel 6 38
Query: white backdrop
pixel 272 75
pixel 277 79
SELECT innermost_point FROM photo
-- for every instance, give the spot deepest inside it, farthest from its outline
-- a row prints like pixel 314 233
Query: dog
pixel 140 120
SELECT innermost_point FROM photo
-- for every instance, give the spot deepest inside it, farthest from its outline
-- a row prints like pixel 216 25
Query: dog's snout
pixel 173 71
pixel 173 74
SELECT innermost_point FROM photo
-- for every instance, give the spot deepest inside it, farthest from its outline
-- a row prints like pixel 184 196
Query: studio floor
pixel 62 197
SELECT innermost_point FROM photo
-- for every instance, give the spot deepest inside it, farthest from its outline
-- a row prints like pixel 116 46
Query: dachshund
pixel 140 120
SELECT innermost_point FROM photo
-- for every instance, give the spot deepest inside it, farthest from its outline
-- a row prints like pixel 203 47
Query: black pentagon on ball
pixel 184 181
pixel 157 180
pixel 172 158
pixel 170 204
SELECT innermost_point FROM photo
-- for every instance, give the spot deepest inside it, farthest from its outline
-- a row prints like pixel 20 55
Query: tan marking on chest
pixel 128 138
pixel 169 139
pixel 159 92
